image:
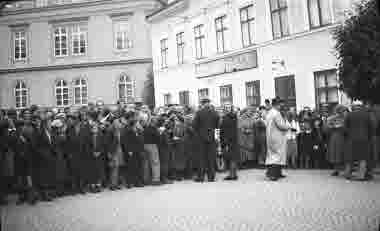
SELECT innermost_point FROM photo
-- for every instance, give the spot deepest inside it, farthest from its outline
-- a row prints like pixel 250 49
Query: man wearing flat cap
pixel 205 122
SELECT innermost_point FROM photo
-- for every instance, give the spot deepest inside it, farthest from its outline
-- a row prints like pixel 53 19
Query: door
pixel 285 88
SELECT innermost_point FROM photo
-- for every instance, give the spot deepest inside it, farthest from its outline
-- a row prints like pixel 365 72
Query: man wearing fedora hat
pixel 205 122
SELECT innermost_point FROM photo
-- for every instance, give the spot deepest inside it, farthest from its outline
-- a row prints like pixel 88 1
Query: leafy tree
pixel 358 50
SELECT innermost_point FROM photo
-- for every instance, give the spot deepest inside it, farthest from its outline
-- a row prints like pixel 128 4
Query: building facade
pixel 246 51
pixel 64 53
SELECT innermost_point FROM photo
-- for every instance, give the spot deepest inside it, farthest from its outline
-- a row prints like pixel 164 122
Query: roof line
pixel 164 8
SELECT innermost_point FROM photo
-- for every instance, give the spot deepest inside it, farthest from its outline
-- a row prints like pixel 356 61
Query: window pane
pixel 282 3
pixel 314 13
pixel 65 90
pixel 245 34
pixel 332 79
pixel 59 91
pixel 332 95
pixel 284 22
pixel 83 81
pixel 274 4
pixel 326 12
pixel 65 102
pixel 244 15
pixel 322 96
pixel 276 25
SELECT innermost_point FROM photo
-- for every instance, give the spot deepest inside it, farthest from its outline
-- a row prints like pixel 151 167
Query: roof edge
pixel 166 7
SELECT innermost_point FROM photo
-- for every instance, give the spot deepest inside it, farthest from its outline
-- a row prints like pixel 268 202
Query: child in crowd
pixel 305 145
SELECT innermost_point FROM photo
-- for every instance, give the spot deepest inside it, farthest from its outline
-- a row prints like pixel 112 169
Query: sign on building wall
pixel 230 64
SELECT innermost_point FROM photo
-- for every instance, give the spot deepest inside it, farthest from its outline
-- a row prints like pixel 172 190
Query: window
pixel 279 13
pixel 180 47
pixel 285 88
pixel 220 33
pixel 62 93
pixel 203 94
pixel 126 91
pixel 253 93
pixel 60 41
pixel 79 40
pixel 319 13
pixel 21 95
pixel 80 91
pixel 226 94
pixel 247 22
pixel 326 88
pixel 167 99
pixel 199 41
pixel 20 45
pixel 164 53
pixel 122 41
pixel 184 98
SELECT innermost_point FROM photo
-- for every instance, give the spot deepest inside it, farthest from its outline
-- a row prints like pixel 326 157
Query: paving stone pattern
pixel 305 200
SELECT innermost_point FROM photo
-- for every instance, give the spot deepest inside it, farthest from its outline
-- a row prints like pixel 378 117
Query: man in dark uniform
pixel 205 122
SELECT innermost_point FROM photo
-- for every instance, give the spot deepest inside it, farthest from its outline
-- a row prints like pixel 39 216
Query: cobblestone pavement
pixel 305 200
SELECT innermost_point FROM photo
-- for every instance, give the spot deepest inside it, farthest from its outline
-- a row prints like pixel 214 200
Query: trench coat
pixel 276 138
pixel 336 140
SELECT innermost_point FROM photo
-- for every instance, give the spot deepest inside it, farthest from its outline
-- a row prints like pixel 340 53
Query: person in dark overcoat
pixel 73 153
pixel 59 149
pixel 229 140
pixel 205 122
pixel 132 143
pixel 319 148
pixel 336 138
pixel 98 150
pixel 44 160
pixel 163 149
pixel 360 133
pixel 178 145
pixel 260 137
pixel 85 153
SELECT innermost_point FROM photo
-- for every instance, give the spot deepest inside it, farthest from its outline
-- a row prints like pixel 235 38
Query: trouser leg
pixel 154 160
pixel 363 169
pixel 211 159
pixel 202 158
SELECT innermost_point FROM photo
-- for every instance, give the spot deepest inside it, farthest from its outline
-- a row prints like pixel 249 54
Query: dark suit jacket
pixel 131 141
pixel 359 125
pixel 205 122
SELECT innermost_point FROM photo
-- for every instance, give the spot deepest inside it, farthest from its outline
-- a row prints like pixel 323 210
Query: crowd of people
pixel 49 153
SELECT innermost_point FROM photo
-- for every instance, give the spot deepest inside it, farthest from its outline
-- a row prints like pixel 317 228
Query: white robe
pixel 276 138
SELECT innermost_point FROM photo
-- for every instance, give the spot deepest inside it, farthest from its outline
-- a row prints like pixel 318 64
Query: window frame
pixel 23 88
pixel 230 99
pixel 279 10
pixel 80 86
pixel 199 37
pixel 82 30
pixel 320 16
pixel 167 99
pixel 125 41
pixel 180 46
pixel 62 94
pixel 164 52
pixel 60 41
pixel 220 31
pixel 127 81
pixel 19 39
pixel 326 88
pixel 200 91
pixel 184 98
pixel 248 21
pixel 253 84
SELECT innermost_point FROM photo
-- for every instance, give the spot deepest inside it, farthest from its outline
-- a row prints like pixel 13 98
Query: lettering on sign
pixel 227 65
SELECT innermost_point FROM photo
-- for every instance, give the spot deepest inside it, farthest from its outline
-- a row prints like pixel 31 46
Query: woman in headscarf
pixel 336 140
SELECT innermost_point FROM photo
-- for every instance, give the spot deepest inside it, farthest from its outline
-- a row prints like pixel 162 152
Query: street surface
pixel 307 200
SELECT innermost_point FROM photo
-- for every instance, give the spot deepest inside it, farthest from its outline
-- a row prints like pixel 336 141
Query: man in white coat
pixel 277 129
